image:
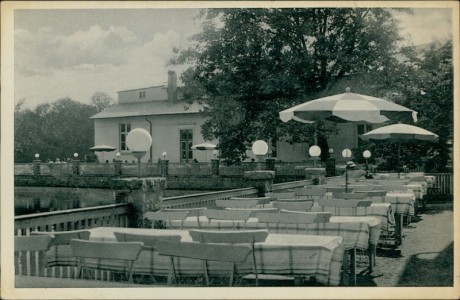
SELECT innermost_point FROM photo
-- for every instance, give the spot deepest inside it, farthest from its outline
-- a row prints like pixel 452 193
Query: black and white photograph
pixel 229 150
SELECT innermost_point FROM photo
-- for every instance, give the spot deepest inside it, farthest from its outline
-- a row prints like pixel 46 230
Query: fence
pixel 443 184
pixel 115 215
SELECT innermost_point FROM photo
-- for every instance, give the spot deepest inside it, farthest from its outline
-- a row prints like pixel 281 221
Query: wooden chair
pixel 294 205
pixel 309 193
pixel 290 218
pixel 237 203
pixel 362 195
pixel 337 204
pixel 30 254
pixel 106 252
pixel 167 217
pixel 228 215
pixel 232 237
pixel 192 212
pixel 205 252
pixel 281 195
pixel 61 243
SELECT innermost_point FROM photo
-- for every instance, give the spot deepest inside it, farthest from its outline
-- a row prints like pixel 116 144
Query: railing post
pixel 118 167
pixel 164 164
pixel 76 167
pixel 214 166
pixel 270 164
pixel 261 180
pixel 36 167
pixel 144 195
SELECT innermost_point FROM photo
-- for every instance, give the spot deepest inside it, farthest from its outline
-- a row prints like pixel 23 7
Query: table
pixel 280 254
pixel 402 202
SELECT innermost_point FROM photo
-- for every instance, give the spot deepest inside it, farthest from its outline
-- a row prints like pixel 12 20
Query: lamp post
pixel 36 164
pixel 367 154
pixel 139 141
pixel 260 149
pixel 346 153
pixel 164 164
pixel 314 152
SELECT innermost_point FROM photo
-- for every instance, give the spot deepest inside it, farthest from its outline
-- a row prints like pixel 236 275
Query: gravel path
pixel 426 256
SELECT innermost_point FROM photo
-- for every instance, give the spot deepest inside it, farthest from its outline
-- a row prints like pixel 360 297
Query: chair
pixel 255 210
pixel 237 203
pixel 281 195
pixel 337 204
pixel 60 245
pixel 361 195
pixel 293 218
pixel 106 252
pixel 192 212
pixel 294 205
pixel 309 193
pixel 205 252
pixel 228 215
pixel 167 216
pixel 30 254
pixel 232 237
pixel 150 243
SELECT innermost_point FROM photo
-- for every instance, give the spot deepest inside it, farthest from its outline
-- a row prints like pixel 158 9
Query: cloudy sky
pixel 75 53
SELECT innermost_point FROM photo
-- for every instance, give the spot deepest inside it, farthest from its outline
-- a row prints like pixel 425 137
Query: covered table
pixel 280 254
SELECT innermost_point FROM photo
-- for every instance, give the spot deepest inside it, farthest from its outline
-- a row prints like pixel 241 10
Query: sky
pixel 76 52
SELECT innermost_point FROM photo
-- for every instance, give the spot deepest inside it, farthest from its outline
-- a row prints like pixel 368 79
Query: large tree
pixel 55 130
pixel 249 64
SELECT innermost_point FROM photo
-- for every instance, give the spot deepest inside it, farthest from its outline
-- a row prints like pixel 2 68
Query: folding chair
pixel 150 243
pixel 281 195
pixel 167 217
pixel 254 211
pixel 192 212
pixel 293 218
pixel 30 254
pixel 294 205
pixel 337 204
pixel 60 245
pixel 241 216
pixel 349 195
pixel 309 193
pixel 106 252
pixel 232 237
pixel 237 203
pixel 205 252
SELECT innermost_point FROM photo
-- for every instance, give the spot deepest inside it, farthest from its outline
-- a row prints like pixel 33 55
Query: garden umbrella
pixel 102 148
pixel 204 146
pixel 348 107
pixel 399 133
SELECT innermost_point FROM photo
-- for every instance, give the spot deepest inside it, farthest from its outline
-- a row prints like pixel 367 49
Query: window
pixel 186 142
pixel 124 130
pixel 141 94
pixel 362 129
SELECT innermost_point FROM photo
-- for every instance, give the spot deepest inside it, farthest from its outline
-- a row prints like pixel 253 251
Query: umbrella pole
pixel 399 160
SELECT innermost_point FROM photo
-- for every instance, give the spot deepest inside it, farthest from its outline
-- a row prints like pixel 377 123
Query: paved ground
pixel 426 257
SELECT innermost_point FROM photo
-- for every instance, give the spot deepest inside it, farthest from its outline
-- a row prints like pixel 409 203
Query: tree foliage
pixel 101 101
pixel 249 64
pixel 55 130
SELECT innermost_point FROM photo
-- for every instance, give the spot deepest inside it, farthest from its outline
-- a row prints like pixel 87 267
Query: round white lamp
pixel 75 155
pixel 367 154
pixel 37 156
pixel 259 148
pixel 214 153
pixel 118 155
pixel 164 154
pixel 346 153
pixel 314 152
pixel 139 141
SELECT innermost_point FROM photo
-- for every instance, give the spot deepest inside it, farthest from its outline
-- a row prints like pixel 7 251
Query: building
pixel 175 126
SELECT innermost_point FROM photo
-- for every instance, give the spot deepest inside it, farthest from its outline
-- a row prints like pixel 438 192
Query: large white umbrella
pixel 399 133
pixel 348 107
pixel 102 148
pixel 204 147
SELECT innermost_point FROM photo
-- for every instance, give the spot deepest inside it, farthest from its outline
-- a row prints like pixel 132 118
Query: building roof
pixel 152 108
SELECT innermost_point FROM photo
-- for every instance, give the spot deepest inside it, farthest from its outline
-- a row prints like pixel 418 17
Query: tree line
pixel 56 130
pixel 246 65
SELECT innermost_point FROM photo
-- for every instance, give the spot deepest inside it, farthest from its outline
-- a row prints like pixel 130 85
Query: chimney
pixel 172 86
